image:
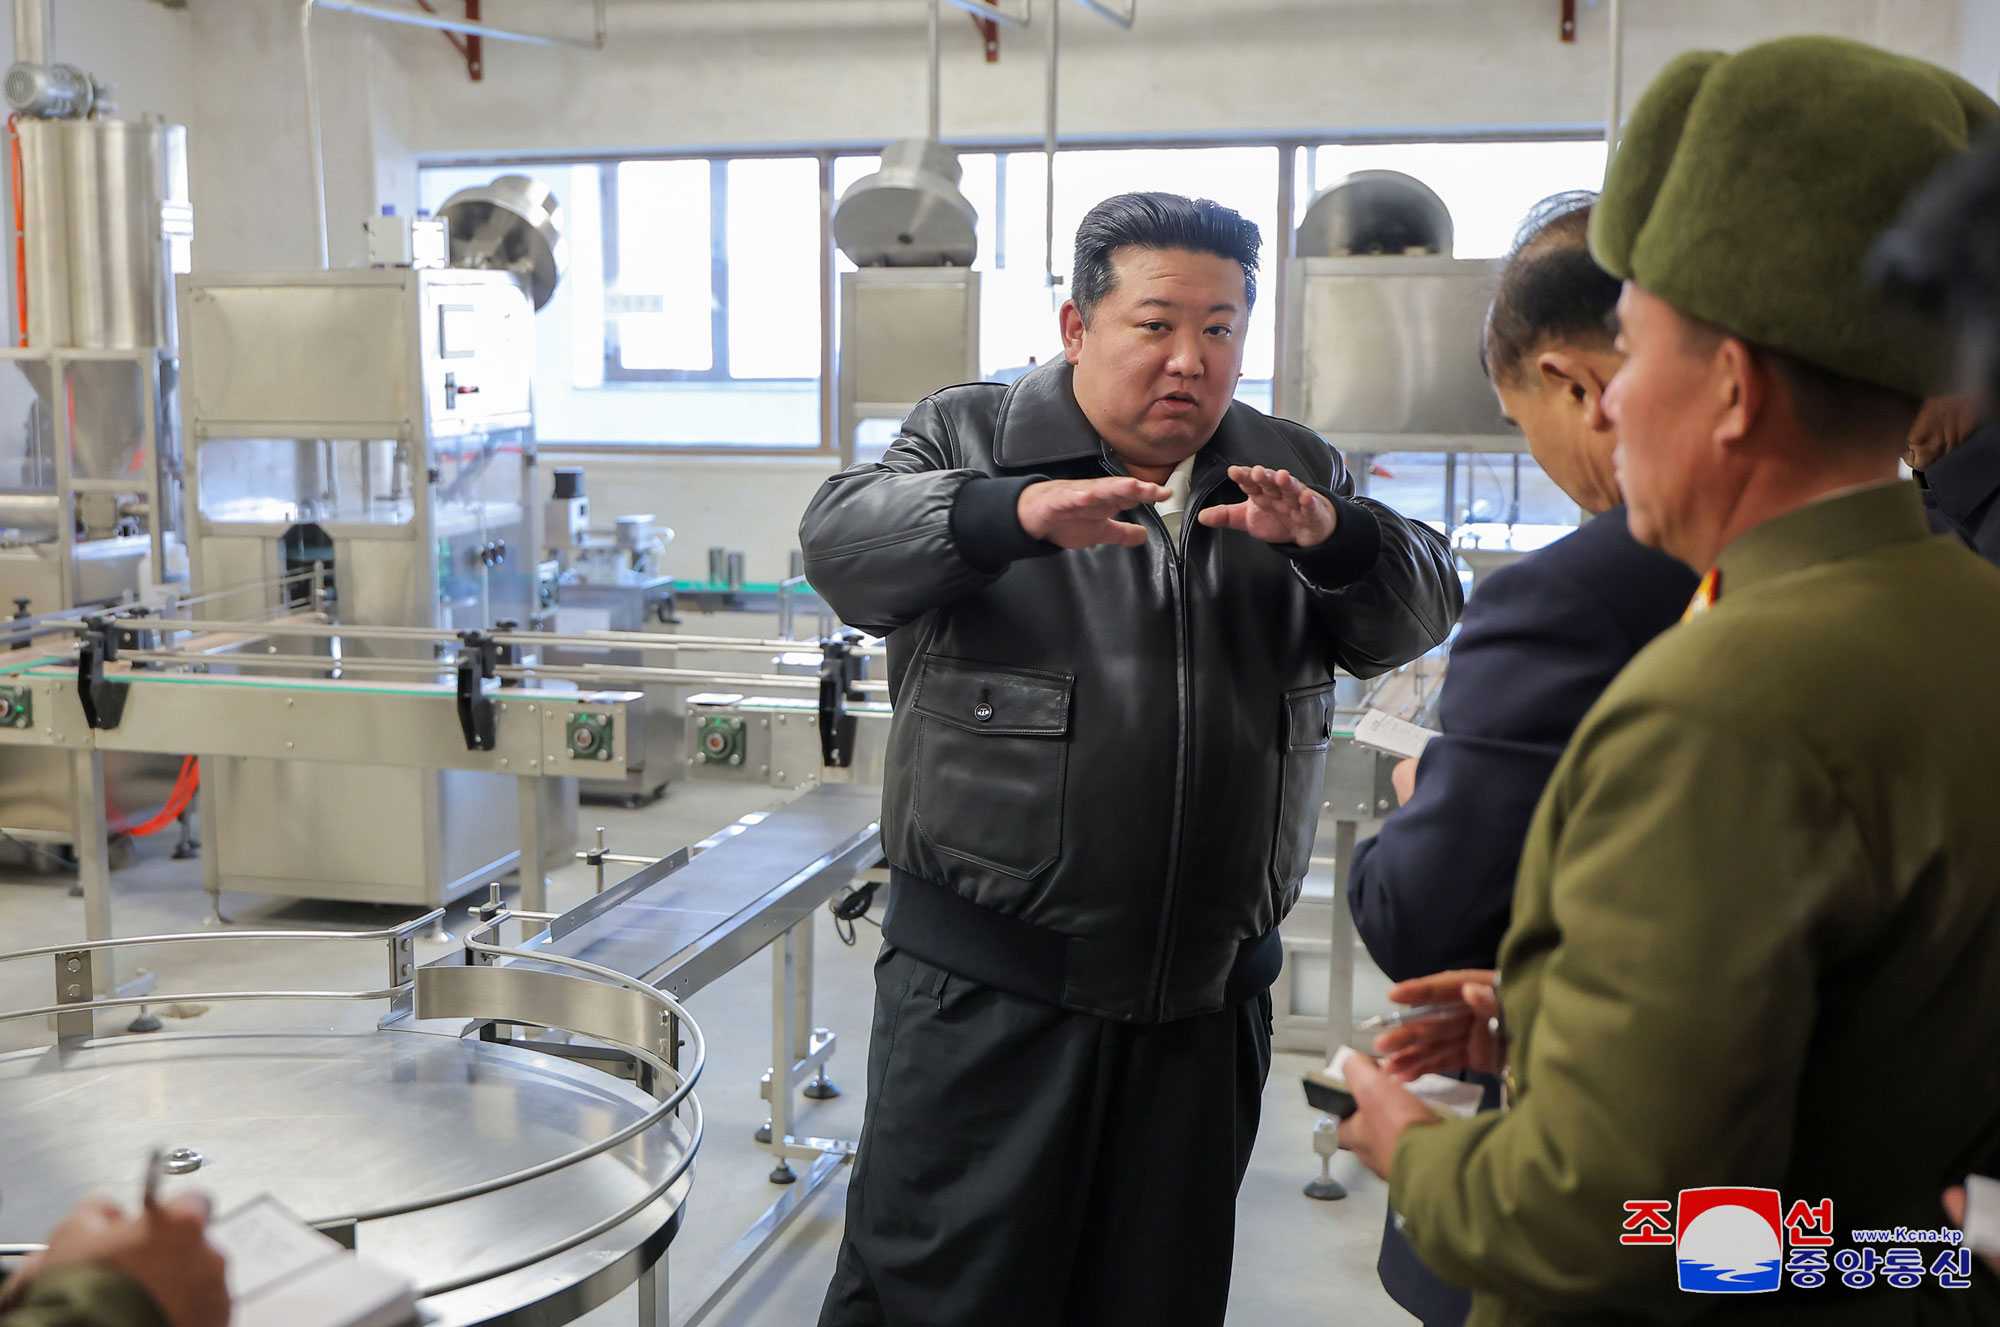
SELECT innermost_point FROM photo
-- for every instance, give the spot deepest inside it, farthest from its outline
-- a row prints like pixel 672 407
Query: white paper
pixel 262 1243
pixel 283 1273
pixel 1982 1214
pixel 1446 1096
pixel 1380 730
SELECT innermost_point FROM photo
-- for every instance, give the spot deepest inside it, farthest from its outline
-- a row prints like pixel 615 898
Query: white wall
pixel 718 74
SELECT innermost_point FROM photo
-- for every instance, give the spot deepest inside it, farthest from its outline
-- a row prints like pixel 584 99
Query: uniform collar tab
pixel 1856 521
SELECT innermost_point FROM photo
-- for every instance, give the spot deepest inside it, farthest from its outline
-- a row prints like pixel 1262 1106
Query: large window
pixel 690 314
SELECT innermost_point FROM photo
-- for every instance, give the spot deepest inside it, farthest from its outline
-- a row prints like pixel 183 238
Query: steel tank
pixel 108 226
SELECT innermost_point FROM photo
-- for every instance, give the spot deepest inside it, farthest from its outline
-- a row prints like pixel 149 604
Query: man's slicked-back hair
pixel 1158 221
pixel 1551 290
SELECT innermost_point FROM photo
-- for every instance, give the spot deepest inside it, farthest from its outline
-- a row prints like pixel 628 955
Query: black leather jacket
pixel 1106 766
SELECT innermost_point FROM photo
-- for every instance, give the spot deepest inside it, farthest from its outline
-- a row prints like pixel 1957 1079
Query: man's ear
pixel 1741 385
pixel 1072 330
pixel 1579 382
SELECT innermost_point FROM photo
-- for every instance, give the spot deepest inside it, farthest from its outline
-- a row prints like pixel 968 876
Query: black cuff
pixel 1348 554
pixel 986 523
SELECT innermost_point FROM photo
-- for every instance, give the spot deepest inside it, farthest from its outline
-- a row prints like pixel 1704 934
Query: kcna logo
pixel 1728 1241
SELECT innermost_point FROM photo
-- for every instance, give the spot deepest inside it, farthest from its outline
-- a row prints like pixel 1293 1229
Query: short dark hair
pixel 1550 289
pixel 1831 408
pixel 1158 221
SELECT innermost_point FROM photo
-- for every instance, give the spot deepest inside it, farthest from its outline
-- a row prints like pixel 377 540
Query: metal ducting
pixel 910 212
pixel 512 225
pixel 1375 212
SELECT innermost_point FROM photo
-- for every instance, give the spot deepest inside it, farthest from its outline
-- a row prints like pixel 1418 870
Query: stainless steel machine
pixel 909 318
pixel 90 481
pixel 1383 324
pixel 361 443
pixel 573 1184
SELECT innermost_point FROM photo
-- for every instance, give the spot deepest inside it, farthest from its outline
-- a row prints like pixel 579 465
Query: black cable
pixel 57 858
pixel 850 908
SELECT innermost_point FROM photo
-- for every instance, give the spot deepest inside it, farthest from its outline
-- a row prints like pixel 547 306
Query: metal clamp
pixel 478 656
pixel 840 668
pixel 103 701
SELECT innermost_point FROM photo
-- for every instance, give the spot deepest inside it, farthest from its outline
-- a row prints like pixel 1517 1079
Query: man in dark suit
pixel 1956 456
pixel 1434 890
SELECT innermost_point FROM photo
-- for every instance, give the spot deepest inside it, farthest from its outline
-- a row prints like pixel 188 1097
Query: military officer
pixel 1755 922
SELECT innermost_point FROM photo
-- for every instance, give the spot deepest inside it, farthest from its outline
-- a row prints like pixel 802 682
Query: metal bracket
pixel 839 669
pixel 74 986
pixel 17 707
pixel 103 702
pixel 477 716
pixel 989 33
pixel 589 736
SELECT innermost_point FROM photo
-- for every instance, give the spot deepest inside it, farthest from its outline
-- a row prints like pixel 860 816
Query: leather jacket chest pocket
pixel 992 753
pixel 1307 733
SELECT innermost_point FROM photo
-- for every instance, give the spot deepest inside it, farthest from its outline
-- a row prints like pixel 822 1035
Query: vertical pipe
pixel 1281 275
pixel 1614 111
pixel 314 147
pixel 31 31
pixel 936 60
pixel 829 414
pixel 1049 277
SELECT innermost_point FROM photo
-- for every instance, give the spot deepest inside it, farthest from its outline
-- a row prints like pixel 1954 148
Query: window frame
pixel 1275 276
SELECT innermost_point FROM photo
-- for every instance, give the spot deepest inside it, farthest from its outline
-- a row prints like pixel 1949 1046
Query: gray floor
pixel 1297 1261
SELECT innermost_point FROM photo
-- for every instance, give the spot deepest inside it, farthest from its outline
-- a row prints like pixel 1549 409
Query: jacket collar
pixel 1842 526
pixel 1040 423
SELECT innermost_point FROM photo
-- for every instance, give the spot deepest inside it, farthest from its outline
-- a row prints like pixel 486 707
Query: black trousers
pixel 1021 1166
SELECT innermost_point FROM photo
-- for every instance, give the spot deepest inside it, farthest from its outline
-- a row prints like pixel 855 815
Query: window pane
pixel 774 268
pixel 1019 309
pixel 663 296
pixel 1489 187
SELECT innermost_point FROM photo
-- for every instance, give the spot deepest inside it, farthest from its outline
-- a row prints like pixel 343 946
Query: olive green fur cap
pixel 1748 189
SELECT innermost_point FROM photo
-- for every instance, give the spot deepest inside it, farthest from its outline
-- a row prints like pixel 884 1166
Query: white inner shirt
pixel 1173 509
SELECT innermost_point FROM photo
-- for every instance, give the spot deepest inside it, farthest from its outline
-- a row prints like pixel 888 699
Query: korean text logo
pixel 1733 1241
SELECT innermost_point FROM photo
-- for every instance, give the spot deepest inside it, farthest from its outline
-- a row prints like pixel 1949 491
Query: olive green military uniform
pixel 85 1296
pixel 1756 932
pixel 1756 939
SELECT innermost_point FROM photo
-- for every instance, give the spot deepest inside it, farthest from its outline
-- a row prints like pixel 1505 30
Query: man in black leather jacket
pixel 1114 601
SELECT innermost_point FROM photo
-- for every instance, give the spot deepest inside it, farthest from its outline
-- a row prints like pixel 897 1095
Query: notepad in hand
pixel 283 1273
pixel 1982 1214
pixel 1380 730
pixel 1327 1090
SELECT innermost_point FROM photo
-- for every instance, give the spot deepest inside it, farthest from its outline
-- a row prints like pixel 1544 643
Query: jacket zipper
pixel 1183 667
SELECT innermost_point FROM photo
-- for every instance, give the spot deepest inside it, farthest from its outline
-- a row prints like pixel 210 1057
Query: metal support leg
pixel 534 889
pixel 653 1310
pixel 784 1040
pixel 1339 1003
pixel 803 1032
pixel 93 862
pixel 1340 968
pixel 211 861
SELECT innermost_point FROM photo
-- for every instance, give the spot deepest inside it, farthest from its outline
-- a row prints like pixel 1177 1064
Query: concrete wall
pixel 717 74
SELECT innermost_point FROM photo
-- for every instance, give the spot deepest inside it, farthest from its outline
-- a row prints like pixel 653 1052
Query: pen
pixel 155 1167
pixel 1414 1014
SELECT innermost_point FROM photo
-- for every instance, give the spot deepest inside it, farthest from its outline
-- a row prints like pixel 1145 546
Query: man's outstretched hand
pixel 1083 513
pixel 1277 509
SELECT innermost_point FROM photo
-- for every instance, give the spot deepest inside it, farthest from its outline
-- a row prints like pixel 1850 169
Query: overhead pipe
pixel 1123 19
pixel 436 22
pixel 936 60
pixel 315 148
pixel 470 27
pixel 1616 110
pixel 994 12
pixel 1049 277
pixel 31 31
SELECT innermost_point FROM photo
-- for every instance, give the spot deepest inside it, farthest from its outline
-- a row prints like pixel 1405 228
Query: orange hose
pixel 185 785
pixel 20 228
